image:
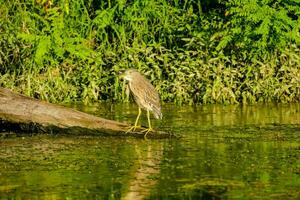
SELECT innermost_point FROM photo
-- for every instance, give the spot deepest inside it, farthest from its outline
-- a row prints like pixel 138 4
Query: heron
pixel 145 96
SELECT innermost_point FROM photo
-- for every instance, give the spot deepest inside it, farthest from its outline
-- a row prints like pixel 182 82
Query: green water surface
pixel 226 152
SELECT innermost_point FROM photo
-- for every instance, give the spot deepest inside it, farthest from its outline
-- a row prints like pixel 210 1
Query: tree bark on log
pixel 22 114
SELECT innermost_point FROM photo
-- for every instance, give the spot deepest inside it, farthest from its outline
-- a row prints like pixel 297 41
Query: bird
pixel 145 96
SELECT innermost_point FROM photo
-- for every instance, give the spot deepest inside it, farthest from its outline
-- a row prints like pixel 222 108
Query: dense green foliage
pixel 193 51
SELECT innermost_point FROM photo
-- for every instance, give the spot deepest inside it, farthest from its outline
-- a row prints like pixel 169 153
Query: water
pixel 226 152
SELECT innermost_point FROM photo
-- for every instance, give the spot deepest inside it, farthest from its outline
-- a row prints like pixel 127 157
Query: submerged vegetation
pixel 193 51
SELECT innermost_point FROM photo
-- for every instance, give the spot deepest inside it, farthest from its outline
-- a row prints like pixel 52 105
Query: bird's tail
pixel 157 113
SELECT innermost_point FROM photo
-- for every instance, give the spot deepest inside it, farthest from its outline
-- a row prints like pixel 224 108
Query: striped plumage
pixel 143 92
pixel 145 95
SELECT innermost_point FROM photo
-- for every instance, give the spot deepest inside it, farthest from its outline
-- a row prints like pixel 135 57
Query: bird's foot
pixel 133 128
pixel 147 131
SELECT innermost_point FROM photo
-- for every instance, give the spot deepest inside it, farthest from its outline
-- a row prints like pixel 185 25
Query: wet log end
pixel 24 115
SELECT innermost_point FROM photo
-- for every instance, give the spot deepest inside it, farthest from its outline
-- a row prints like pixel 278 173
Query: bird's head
pixel 128 74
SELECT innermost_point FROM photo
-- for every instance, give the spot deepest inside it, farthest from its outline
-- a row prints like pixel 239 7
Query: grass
pixel 67 51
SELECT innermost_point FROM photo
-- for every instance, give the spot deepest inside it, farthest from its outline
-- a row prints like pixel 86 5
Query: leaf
pixel 224 42
pixel 42 48
pixel 27 37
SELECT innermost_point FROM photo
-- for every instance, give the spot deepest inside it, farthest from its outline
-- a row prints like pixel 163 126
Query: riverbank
pixel 192 52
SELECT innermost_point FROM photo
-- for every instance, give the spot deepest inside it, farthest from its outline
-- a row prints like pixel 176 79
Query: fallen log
pixel 22 114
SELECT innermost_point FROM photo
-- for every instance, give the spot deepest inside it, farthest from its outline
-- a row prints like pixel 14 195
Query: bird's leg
pixel 137 119
pixel 136 122
pixel 149 124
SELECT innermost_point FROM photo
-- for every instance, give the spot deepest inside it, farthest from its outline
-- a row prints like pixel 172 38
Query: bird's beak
pixel 121 73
